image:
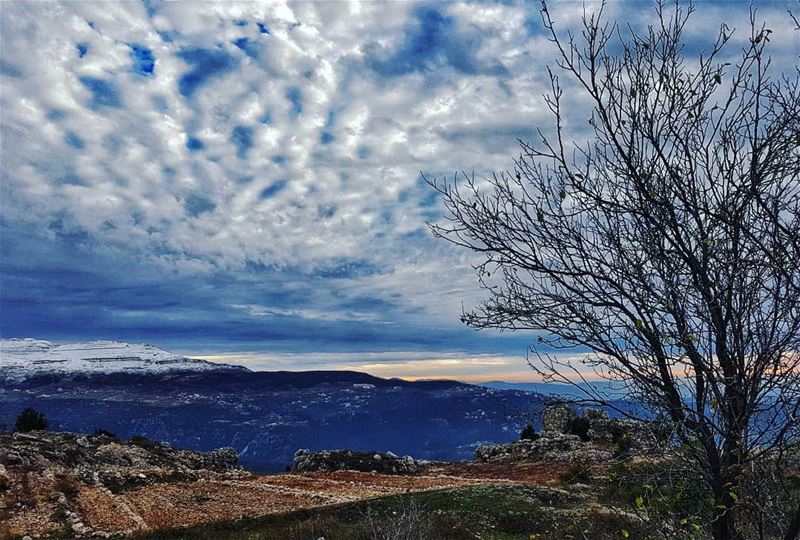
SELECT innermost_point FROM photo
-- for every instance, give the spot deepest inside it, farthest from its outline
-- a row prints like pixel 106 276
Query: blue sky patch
pixel 326 137
pixel 83 48
pixel 273 189
pixel 432 41
pixel 143 60
pixel 348 269
pixel 54 115
pixel 248 46
pixel 194 144
pixel 326 211
pixel 71 179
pixel 242 139
pixel 168 36
pixel 296 98
pixel 9 70
pixel 74 140
pixel 104 93
pixel 150 7
pixel 196 205
pixel 207 64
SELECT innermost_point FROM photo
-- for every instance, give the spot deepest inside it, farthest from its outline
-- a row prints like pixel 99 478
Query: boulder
pixel 348 460
pixel 553 446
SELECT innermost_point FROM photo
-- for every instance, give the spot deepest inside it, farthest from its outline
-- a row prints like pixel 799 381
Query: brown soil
pixel 184 504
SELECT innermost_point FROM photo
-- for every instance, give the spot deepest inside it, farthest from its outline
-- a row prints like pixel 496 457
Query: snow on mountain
pixel 20 358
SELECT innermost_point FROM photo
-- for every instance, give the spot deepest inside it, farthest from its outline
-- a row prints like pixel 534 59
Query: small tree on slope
pixel 668 246
pixel 30 420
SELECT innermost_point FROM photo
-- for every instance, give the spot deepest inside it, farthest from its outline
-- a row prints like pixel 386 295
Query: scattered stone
pixel 50 474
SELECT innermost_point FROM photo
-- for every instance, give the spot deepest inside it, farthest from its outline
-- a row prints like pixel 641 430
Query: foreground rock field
pixel 70 485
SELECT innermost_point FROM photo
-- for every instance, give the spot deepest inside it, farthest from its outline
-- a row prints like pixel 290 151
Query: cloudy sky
pixel 241 181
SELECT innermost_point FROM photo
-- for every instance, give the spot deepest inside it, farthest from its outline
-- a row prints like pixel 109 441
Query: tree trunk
pixel 793 532
pixel 725 527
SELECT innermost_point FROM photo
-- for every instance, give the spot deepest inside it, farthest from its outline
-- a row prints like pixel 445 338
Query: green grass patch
pixel 487 512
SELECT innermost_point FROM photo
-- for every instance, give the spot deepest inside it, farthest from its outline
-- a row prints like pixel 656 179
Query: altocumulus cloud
pixel 237 176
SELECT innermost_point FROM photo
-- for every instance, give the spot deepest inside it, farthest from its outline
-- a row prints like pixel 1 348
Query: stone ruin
pixel 557 418
pixel 558 441
pixel 602 428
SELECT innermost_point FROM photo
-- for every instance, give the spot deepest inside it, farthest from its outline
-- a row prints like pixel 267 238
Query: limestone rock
pixel 339 460
pixel 558 443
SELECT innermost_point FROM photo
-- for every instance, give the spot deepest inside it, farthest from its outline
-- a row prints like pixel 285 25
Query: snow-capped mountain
pixel 132 389
pixel 22 358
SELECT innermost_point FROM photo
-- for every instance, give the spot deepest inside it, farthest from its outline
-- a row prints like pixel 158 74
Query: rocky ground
pixel 70 485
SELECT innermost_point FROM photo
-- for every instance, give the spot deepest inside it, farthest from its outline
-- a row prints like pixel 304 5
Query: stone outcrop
pixel 348 460
pixel 116 464
pixel 551 446
pixel 45 475
pixel 600 427
pixel 557 418
pixel 568 436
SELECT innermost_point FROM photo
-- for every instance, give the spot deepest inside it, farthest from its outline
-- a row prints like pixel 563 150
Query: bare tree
pixel 667 246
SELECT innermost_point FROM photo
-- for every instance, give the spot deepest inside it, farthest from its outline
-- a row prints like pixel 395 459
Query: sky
pixel 242 182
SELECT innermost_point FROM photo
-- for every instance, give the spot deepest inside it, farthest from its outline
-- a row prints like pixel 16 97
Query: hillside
pixel 265 416
pixel 58 485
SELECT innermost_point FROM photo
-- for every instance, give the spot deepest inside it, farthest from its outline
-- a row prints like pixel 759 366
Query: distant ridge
pixel 557 389
pixel 28 357
pixel 265 415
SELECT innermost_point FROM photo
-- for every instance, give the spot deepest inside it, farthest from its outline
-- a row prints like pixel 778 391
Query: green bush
pixel 624 445
pixel 576 474
pixel 30 420
pixel 528 434
pixel 579 426
pixel 142 441
pixel 105 433
pixel 667 489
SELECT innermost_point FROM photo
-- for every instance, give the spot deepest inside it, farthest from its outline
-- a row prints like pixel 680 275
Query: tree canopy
pixel 666 246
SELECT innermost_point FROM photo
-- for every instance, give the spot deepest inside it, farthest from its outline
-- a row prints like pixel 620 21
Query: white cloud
pixel 135 190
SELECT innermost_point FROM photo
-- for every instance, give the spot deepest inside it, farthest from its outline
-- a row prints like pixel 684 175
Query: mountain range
pixel 133 389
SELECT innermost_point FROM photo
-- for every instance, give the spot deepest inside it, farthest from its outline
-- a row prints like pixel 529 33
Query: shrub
pixel 142 442
pixel 104 433
pixel 576 474
pixel 528 434
pixel 668 489
pixel 624 445
pixel 579 426
pixel 30 420
pixel 409 521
